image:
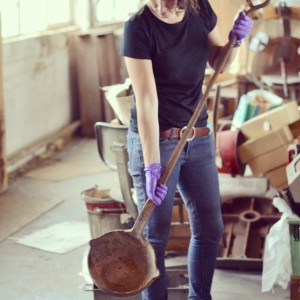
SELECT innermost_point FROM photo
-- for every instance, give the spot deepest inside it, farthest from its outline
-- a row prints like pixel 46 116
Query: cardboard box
pixel 253 148
pixel 269 161
pixel 293 176
pixel 295 128
pixel 278 177
pixel 271 120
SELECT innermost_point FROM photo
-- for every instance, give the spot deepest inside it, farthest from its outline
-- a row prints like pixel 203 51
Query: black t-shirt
pixel 179 54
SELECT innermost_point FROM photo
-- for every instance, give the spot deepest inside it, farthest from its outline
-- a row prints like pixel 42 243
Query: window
pixel 29 16
pixel 115 10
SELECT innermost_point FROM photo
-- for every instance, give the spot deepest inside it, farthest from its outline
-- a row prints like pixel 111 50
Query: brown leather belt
pixel 177 132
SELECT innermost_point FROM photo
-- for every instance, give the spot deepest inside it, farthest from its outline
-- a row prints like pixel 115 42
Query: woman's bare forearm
pixel 143 83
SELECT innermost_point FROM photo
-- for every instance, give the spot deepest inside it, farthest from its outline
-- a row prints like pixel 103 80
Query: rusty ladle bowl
pixel 122 262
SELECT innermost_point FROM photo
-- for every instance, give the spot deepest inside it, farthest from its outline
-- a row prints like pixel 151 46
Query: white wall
pixel 37 92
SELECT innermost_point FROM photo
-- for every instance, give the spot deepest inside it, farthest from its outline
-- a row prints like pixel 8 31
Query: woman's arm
pixel 218 48
pixel 241 28
pixel 141 73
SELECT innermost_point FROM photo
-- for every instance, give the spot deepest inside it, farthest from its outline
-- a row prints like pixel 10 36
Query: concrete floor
pixel 32 274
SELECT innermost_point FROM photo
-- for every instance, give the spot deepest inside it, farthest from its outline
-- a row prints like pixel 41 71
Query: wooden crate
pixel 180 228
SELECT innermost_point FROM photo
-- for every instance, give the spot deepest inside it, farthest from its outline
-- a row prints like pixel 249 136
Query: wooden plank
pixel 88 82
pixel 180 233
pixel 104 29
pixel 269 13
pixel 98 65
pixel 113 59
pixel 179 238
pixel 179 213
pixel 106 66
pixel 3 159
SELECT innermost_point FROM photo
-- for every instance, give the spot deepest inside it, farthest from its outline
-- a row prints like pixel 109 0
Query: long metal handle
pixel 149 206
pixel 143 218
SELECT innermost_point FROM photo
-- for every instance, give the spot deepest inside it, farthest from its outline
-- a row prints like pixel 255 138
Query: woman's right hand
pixel 241 28
pixel 156 192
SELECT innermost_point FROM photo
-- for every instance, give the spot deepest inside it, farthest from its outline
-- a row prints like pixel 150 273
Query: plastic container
pixel 294 228
pixel 104 213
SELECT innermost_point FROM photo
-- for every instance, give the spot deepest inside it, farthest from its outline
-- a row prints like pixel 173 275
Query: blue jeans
pixel 196 177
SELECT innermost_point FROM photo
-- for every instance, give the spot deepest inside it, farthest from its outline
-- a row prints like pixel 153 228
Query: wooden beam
pixel 88 83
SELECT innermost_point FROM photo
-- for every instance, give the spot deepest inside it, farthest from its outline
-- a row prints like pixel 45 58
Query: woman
pixel 166 46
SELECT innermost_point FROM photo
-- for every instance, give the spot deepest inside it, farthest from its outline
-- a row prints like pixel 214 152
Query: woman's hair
pixel 181 4
pixel 193 4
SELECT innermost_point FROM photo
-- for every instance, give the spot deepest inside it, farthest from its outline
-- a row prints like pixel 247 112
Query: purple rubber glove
pixel 156 192
pixel 241 28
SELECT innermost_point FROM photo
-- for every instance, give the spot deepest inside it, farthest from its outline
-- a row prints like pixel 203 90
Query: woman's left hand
pixel 241 28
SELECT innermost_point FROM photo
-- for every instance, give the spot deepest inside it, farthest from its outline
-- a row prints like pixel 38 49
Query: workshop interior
pixel 65 187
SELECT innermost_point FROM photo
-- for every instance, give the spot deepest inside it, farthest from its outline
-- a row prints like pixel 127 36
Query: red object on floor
pixel 227 142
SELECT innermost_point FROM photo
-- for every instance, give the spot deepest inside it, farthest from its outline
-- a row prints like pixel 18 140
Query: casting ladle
pixel 122 262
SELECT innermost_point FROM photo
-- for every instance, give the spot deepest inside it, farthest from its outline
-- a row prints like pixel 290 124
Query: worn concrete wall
pixel 37 89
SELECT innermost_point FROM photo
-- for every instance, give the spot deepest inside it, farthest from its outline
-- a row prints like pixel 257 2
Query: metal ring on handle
pixel 183 129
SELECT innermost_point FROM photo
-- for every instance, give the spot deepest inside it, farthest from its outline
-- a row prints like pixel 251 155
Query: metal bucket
pixel 104 213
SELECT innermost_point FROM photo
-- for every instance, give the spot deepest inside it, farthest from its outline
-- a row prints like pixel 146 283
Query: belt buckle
pixel 183 129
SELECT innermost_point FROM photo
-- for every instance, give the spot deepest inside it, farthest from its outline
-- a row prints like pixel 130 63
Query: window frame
pixel 93 15
pixel 60 26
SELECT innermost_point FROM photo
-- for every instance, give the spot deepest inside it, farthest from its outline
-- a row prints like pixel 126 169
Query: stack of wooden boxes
pixel 267 139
